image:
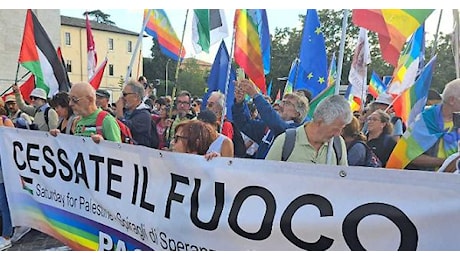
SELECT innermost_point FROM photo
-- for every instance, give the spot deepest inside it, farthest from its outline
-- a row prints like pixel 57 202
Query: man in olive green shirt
pixel 312 139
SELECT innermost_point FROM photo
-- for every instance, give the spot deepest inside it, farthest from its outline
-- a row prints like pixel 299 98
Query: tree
pixel 445 65
pixel 100 16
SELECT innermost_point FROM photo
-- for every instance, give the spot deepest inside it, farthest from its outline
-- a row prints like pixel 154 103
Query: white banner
pixel 113 196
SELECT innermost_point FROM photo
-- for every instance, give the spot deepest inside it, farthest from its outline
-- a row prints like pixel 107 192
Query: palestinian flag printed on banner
pixel 39 56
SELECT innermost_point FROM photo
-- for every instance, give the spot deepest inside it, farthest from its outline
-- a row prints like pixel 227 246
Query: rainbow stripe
pixel 248 52
pixel 413 100
pixel 421 136
pixel 159 27
pixel 393 26
pixel 409 62
pixel 376 85
pixel 77 232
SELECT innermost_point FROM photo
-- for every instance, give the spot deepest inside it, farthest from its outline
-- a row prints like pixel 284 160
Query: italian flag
pixel 39 56
pixel 209 27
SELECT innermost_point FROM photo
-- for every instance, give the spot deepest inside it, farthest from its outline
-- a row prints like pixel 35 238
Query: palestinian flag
pixel 208 28
pixel 39 56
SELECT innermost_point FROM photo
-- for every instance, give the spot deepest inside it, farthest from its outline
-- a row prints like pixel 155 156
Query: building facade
pixel 70 34
pixel 111 42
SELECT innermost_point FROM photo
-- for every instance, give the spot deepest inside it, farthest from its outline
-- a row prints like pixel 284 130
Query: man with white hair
pixel 432 137
pixel 312 138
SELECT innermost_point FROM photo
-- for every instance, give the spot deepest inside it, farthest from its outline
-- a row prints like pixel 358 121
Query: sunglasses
pixel 74 99
pixel 125 94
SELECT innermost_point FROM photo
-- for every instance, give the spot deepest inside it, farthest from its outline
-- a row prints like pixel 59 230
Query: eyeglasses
pixel 33 98
pixel 125 94
pixel 74 99
pixel 183 103
pixel 176 138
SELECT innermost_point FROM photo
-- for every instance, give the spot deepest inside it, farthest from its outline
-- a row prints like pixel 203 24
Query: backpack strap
pixel 47 110
pixel 288 145
pixel 337 145
pixel 99 119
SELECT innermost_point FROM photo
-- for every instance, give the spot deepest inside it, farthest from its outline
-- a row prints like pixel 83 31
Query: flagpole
pixel 17 72
pixel 339 74
pixel 16 80
pixel 456 35
pixel 138 43
pixel 435 43
pixel 176 75
pixel 229 67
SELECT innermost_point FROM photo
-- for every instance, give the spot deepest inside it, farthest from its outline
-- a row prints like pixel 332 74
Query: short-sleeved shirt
pixel 86 126
pixel 303 151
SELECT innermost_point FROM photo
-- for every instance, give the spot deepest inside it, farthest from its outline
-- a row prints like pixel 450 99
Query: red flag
pixel 95 81
pixel 25 89
pixel 91 49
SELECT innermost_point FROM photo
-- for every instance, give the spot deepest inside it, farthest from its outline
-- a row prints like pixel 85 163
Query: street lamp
pixel 166 83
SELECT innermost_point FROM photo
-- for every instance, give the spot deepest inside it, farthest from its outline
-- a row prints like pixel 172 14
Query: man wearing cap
pixel 102 100
pixel 44 116
pixel 19 118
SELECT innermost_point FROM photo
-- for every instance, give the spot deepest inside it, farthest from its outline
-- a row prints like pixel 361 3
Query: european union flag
pixel 217 79
pixel 313 60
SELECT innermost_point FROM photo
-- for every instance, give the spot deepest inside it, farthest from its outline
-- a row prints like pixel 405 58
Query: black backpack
pixel 289 142
pixel 372 160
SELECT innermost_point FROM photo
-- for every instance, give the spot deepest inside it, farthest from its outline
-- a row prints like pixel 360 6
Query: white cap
pixel 384 98
pixel 38 93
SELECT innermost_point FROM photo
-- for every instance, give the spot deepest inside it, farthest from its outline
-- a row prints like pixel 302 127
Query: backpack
pixel 20 122
pixel 125 133
pixel 372 160
pixel 289 142
pixel 239 147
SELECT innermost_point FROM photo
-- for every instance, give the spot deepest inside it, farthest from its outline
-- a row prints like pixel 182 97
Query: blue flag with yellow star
pixel 313 61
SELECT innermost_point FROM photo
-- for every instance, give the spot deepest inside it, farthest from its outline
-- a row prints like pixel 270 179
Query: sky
pixel 131 19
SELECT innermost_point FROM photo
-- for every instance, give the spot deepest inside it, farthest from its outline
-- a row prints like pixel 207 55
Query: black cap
pixel 102 93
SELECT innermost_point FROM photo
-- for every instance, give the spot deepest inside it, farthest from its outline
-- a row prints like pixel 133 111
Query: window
pixel 130 46
pixel 110 69
pixel 110 44
pixel 68 65
pixel 67 39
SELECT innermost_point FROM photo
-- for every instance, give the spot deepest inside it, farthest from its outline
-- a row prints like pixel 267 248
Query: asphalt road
pixel 38 241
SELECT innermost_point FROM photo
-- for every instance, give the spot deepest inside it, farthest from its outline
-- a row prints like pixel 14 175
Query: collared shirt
pixel 303 151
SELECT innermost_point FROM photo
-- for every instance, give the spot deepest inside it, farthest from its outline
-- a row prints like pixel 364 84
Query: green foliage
pixel 100 16
pixel 192 78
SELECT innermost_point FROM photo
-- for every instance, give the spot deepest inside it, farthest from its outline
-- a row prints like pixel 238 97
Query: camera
pixel 456 119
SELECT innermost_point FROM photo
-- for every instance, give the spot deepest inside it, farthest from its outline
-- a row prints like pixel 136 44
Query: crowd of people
pixel 258 129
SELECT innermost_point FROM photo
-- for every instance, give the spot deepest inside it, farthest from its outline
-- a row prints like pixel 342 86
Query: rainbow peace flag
pixel 248 50
pixel 376 85
pixel 413 100
pixel 393 27
pixel 159 27
pixel 421 136
pixel 409 63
